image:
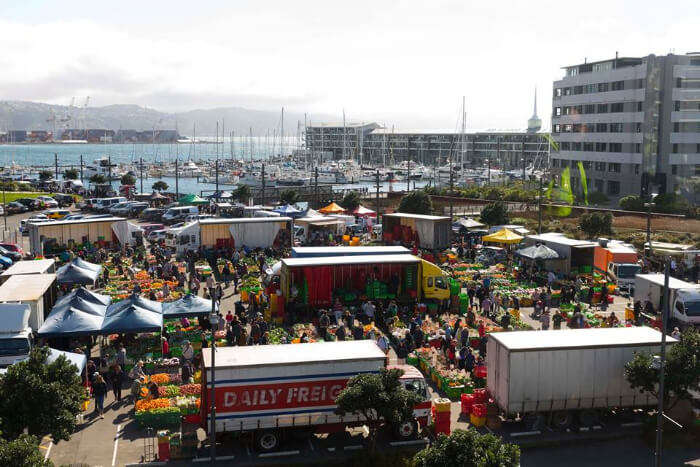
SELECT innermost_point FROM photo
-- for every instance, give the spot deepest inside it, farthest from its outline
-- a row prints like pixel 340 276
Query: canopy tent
pixel 131 318
pixel 189 305
pixel 70 274
pixel 287 210
pixel 191 199
pixel 86 295
pixel 311 213
pixel 71 321
pixel 77 359
pixel 468 223
pixel 81 304
pixel 126 232
pixel 81 263
pixel 332 208
pixel 542 252
pixel 157 196
pixel 137 301
pixel 362 211
pixel 503 236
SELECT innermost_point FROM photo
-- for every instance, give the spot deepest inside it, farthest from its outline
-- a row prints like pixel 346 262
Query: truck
pixel 560 377
pixel 315 280
pixel 684 297
pixel 271 392
pixel 320 251
pixel 15 333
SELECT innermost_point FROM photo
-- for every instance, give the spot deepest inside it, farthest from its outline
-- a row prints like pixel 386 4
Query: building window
pixel 614 167
pixel 613 187
pixel 674 170
pixel 578 90
pixel 564 163
pixel 588 147
pixel 557 111
pixel 636 169
pixel 589 128
pixel 557 128
pixel 638 150
pixel 567 91
pixel 640 83
pixel 557 92
pixel 697 148
pixel 615 147
pixel 577 128
pixel 599 184
pixel 639 106
pixel 616 128
pixel 638 127
pixel 618 85
pixel 677 105
pixel 679 82
pixel 601 127
pixel 589 109
pixel 602 108
pixel 576 146
pixel 600 167
pixel 675 148
pixel 555 162
pixel 601 147
pixel 602 87
pixel 617 107
pixel 587 165
pixel 567 128
pixel 676 127
pixel 565 146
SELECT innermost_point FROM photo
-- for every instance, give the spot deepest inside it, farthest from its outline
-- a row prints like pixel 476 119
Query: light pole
pixel 647 250
pixel 523 162
pixel 214 320
pixel 488 163
pixel 539 209
pixel 662 364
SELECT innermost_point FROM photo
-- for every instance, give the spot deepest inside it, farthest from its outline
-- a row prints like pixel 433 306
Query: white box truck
pixel 269 391
pixel 15 333
pixel 558 376
pixel 684 297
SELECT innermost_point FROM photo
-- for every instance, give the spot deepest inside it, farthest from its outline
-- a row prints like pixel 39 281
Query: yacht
pixel 103 167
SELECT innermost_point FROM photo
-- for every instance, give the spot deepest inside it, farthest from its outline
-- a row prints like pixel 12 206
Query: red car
pixel 13 247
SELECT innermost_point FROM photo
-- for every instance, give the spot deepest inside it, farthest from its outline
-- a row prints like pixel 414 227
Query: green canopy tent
pixel 190 200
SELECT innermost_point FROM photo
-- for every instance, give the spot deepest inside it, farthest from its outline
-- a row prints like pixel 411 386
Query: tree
pixel 98 179
pixel 671 203
pixel 468 448
pixel 681 371
pixel 242 193
pixel 595 224
pixel 43 398
pixel 494 214
pixel 351 201
pixel 380 398
pixel 71 174
pixel 160 185
pixel 598 197
pixel 128 179
pixel 289 196
pixel 22 452
pixel 416 202
pixel 632 203
pixel 45 175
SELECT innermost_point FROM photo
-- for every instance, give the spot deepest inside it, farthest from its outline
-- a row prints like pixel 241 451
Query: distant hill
pixel 23 115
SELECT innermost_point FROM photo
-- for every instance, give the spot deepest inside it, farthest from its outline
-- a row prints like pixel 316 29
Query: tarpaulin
pixel 254 234
pixel 125 232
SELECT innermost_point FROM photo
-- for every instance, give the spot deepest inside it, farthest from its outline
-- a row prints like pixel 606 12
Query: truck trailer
pixel 270 391
pixel 562 375
pixel 321 251
pixel 684 297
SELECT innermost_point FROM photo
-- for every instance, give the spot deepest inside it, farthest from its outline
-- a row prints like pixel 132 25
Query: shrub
pixel 595 224
pixel 598 197
pixel 632 203
pixel 494 214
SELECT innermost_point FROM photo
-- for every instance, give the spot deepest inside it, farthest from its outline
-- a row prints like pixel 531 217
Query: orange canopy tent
pixel 332 208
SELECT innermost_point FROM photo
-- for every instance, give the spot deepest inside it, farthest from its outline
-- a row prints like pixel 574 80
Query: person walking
pixel 116 378
pixel 544 320
pixel 99 391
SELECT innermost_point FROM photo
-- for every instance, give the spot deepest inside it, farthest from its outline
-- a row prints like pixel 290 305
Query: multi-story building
pixel 341 140
pixel 633 123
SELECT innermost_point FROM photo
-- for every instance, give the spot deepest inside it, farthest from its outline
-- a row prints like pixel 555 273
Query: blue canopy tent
pixel 71 274
pixel 137 301
pixel 81 263
pixel 76 318
pixel 86 295
pixel 77 359
pixel 288 211
pixel 189 305
pixel 131 318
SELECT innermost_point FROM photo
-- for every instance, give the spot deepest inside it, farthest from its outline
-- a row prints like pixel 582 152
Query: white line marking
pixel 311 445
pixel 202 459
pixel 116 442
pixel 525 433
pixel 583 428
pixel 48 450
pixel 225 458
pixel 597 427
pixel 279 454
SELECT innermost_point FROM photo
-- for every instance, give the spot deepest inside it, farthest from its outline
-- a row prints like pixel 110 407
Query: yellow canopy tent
pixel 503 236
pixel 332 209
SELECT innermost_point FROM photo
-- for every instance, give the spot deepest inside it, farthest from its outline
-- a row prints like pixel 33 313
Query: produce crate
pixel 412 361
pixel 454 392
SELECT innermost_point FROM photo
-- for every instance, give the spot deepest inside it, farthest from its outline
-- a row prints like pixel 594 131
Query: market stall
pixel 429 232
pixel 71 274
pixel 85 294
pixel 189 305
pixel 192 200
pixel 75 318
pixel 362 211
pixel 54 237
pixel 288 211
pixel 257 232
pixel 317 229
pixel 332 208
pixel 577 256
pixel 503 236
pixel 36 266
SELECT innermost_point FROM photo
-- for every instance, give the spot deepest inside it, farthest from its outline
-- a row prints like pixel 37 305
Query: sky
pixel 401 63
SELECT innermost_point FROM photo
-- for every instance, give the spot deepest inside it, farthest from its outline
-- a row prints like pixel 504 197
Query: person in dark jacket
pixel 99 391
pixel 116 379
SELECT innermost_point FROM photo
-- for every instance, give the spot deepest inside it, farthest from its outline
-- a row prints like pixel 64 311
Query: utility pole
pixel 662 363
pixel 109 170
pixel 81 168
pixel 216 172
pixel 539 209
pixel 214 319
pixel 488 161
pixel 55 162
pixel 177 180
pixel 451 188
pixel 647 250
pixel 498 157
pixel 316 184
pixel 141 172
pixel 377 186
pixel 262 184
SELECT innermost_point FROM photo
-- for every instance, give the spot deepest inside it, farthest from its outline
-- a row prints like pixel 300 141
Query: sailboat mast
pixel 464 134
pixel 282 134
pixel 344 134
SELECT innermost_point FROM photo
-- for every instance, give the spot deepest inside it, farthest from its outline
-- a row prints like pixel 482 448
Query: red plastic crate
pixel 467 402
pixel 479 410
pixel 481 395
pixel 480 371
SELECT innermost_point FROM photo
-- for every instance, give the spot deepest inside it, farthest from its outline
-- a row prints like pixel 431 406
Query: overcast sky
pixel 398 62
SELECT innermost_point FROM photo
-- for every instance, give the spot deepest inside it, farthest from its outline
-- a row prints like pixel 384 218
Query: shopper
pixel 116 379
pixel 99 391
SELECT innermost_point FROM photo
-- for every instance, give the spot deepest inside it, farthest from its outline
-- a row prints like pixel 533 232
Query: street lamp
pixel 488 163
pixel 648 206
pixel 522 160
pixel 214 320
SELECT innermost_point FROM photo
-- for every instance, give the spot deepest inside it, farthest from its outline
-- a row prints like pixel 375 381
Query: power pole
pixel 662 363
pixel 81 168
pixel 647 250
pixel 216 171
pixel 451 188
pixel 55 162
pixel 214 319
pixel 316 185
pixel 109 170
pixel 377 186
pixel 177 180
pixel 262 174
pixel 539 209
pixel 141 172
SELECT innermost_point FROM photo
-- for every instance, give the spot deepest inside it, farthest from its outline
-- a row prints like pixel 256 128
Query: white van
pixel 103 204
pixel 179 213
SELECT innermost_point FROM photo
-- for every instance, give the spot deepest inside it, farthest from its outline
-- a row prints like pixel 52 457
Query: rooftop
pixel 357 259
pixel 37 266
pixel 242 220
pixel 26 287
pixel 418 216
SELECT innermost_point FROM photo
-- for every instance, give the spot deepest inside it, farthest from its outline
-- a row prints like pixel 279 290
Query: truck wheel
pixel 562 419
pixel 406 430
pixel 267 441
pixel 588 417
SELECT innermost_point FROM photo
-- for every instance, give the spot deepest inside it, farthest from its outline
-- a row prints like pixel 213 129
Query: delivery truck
pixel 684 297
pixel 15 333
pixel 562 376
pixel 273 391
pixel 315 281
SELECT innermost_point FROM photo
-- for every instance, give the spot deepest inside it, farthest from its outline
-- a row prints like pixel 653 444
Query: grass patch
pixel 11 196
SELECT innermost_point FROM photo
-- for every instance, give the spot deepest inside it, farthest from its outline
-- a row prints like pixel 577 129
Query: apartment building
pixel 632 122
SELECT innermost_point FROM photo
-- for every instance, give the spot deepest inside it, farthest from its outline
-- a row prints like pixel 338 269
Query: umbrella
pixel 542 252
pixel 157 196
pixel 503 236
pixel 332 208
pixel 189 305
pixel 191 199
pixel 86 295
pixel 70 274
pixel 275 269
pixel 362 211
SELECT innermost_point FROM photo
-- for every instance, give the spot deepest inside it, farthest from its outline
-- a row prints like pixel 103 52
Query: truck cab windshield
pixel 692 308
pixel 18 346
pixel 628 271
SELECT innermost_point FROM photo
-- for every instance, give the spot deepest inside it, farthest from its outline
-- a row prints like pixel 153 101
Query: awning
pixel 132 318
pixel 191 199
pixel 324 222
pixel 503 236
pixel 125 232
pixel 287 210
pixel 189 305
pixel 332 208
pixel 138 301
pixel 542 252
pixel 77 359
pixel 81 263
pixel 468 223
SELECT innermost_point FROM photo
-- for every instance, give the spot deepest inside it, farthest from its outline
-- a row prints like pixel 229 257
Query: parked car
pixel 64 200
pixel 13 255
pixel 74 217
pixel 137 208
pixel 5 262
pixel 104 204
pixel 120 209
pixel 30 203
pixel 87 204
pixel 152 214
pixel 57 214
pixel 179 214
pixel 97 216
pixel 12 247
pixel 16 208
pixel 155 236
pixel 47 201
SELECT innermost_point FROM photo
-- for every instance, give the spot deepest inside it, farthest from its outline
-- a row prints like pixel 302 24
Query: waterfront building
pixel 632 122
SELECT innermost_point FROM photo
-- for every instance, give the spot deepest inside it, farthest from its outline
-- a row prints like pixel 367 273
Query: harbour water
pixel 238 148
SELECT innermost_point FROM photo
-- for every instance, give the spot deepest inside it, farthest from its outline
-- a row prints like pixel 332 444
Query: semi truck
pixel 15 333
pixel 684 297
pixel 566 376
pixel 320 278
pixel 273 391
